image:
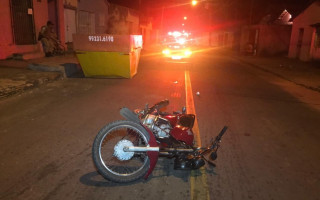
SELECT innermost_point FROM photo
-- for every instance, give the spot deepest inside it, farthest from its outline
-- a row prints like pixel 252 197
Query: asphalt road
pixel 271 149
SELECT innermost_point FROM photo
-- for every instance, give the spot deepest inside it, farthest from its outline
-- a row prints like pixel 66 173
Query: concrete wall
pixel 273 39
pixel 302 22
pixel 122 21
pixel 266 39
pixel 201 39
pixel 100 10
pixel 221 39
pixel 146 32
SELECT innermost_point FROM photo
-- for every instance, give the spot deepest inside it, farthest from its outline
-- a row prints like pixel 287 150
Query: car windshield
pixel 170 42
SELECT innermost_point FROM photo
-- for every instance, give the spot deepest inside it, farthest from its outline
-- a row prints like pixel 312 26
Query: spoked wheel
pixel 112 162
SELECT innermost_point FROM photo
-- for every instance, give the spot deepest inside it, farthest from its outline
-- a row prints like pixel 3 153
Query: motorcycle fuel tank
pixel 183 134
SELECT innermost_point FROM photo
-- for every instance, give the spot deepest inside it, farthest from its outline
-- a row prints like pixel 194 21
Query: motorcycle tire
pixel 109 158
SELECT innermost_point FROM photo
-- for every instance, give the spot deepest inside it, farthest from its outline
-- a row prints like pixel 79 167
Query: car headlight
pixel 187 52
pixel 166 51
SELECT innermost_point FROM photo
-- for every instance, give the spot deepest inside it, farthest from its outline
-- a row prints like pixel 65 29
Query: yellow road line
pixel 198 179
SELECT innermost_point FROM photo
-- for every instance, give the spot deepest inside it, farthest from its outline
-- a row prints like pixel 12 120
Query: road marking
pixel 198 179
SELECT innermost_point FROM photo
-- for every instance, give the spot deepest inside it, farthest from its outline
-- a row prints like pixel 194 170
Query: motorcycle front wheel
pixel 112 162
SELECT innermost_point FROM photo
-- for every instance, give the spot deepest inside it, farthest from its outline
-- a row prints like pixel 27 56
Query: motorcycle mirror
pixel 213 155
pixel 146 108
pixel 184 110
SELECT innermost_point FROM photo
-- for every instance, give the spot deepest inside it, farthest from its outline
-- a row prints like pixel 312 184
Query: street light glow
pixel 185 18
pixel 194 2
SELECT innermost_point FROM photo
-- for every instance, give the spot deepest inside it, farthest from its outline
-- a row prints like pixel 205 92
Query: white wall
pixel 308 17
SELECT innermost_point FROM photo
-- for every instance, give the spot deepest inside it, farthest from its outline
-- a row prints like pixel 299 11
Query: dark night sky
pixel 221 11
pixel 241 5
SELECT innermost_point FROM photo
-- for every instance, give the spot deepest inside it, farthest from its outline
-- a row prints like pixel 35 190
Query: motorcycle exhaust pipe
pixel 140 149
pixel 176 150
pixel 145 149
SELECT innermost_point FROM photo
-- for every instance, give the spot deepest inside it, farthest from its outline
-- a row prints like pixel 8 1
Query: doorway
pixel 70 24
pixel 23 22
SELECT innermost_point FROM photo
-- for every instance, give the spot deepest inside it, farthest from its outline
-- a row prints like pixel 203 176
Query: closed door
pixel 23 24
pixel 70 24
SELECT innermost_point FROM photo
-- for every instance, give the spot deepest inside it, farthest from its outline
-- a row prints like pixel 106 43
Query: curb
pixel 66 69
pixel 19 86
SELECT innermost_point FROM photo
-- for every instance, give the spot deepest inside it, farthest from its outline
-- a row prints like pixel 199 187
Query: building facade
pixel 20 23
pixel 305 36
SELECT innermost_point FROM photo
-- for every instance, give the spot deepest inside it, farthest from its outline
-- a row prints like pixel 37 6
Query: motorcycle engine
pixel 159 126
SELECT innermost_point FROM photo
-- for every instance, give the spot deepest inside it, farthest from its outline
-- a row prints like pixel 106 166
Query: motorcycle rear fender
pixel 153 155
pixel 129 115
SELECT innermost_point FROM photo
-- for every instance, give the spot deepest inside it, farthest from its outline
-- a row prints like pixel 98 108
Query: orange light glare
pixel 194 3
pixel 185 18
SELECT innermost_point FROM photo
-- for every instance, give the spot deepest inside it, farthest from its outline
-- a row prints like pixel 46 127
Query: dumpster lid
pixel 106 42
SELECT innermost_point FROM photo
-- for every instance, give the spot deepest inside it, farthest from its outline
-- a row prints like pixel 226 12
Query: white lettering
pixel 99 38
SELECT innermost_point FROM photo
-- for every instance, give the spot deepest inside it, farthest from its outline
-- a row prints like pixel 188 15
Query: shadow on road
pixel 95 179
pixel 164 169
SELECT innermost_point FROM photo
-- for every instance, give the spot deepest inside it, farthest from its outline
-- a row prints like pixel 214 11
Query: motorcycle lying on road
pixel 126 150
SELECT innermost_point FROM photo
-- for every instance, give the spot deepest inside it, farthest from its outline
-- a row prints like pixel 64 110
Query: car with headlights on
pixel 176 48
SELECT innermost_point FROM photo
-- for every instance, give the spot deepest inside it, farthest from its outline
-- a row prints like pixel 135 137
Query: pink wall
pixel 7 46
pixel 40 12
pixel 5 28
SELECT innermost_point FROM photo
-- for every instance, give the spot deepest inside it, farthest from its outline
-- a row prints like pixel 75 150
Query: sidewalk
pixel 17 76
pixel 305 74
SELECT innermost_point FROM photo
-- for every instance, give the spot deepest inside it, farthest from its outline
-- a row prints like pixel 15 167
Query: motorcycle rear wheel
pixel 111 161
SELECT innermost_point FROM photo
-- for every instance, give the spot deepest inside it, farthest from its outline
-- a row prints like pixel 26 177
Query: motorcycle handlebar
pixel 159 105
pixel 222 132
pixel 162 103
pixel 216 142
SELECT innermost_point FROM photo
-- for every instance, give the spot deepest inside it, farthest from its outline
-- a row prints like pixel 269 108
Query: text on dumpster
pixel 98 38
